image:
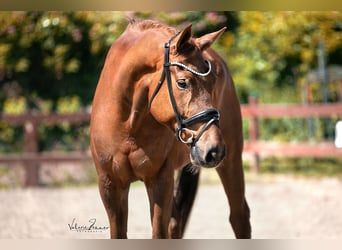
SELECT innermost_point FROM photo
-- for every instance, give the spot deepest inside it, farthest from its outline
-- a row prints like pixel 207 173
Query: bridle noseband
pixel 209 116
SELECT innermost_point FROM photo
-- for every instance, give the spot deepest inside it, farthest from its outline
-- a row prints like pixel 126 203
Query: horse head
pixel 189 73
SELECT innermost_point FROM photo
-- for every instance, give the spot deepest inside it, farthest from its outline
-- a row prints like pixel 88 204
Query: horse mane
pixel 150 24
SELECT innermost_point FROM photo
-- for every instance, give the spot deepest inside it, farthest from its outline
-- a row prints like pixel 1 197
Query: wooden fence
pixel 31 158
pixel 253 148
pixel 256 148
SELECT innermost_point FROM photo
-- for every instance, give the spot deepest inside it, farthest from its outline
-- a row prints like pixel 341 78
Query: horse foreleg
pixel 115 200
pixel 160 193
pixel 232 178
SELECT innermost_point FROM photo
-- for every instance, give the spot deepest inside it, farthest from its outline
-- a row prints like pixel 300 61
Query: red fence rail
pixel 256 148
pixel 32 158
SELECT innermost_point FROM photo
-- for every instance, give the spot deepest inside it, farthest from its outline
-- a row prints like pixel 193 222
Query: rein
pixel 209 116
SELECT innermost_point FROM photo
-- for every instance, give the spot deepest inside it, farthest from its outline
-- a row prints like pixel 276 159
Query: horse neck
pixel 131 58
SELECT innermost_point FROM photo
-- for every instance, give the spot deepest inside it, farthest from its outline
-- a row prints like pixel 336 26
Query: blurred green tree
pixel 273 51
pixel 48 55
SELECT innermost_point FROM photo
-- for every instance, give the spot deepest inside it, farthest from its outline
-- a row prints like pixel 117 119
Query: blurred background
pixel 283 61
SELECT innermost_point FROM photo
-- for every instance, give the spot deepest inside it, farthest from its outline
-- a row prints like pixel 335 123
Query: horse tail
pixel 185 193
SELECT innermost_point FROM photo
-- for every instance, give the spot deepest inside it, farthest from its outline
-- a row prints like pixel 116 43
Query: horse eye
pixel 183 84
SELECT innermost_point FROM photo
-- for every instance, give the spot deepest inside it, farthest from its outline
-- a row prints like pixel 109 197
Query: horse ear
pixel 207 40
pixel 183 38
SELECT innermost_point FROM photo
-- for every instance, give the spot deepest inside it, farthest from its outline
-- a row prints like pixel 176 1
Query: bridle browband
pixel 209 116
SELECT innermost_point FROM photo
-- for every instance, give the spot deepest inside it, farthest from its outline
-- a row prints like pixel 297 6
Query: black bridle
pixel 209 116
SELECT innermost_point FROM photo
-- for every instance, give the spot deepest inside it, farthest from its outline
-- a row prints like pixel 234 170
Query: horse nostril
pixel 210 159
pixel 215 155
pixel 212 155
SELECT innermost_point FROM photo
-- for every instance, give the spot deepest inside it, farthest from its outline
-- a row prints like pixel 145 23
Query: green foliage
pixel 274 49
pixel 52 54
pixel 68 104
pixel 15 105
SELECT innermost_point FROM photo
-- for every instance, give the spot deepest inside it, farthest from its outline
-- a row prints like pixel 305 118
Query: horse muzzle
pixel 207 154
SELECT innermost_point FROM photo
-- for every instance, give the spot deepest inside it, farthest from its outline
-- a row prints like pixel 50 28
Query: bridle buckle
pixel 183 135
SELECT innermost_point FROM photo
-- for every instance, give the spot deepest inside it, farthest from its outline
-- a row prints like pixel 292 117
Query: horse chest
pixel 138 162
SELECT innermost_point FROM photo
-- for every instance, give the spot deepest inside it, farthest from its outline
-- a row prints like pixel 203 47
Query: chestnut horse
pixel 165 101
